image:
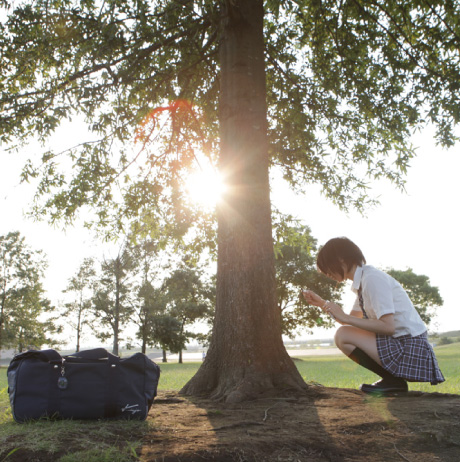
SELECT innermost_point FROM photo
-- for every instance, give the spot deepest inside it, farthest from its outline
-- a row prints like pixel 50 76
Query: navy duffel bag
pixel 92 384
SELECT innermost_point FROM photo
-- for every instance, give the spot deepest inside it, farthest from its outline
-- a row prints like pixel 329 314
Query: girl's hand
pixel 332 309
pixel 313 299
pixel 336 312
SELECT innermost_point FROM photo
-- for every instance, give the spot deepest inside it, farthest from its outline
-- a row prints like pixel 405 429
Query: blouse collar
pixel 357 279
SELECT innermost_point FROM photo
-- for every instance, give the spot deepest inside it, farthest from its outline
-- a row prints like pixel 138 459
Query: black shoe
pixel 385 386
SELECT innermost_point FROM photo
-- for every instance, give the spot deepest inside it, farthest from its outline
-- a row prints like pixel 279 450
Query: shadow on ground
pixel 326 425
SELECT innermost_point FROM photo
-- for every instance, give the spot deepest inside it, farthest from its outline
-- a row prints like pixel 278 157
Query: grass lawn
pixel 335 371
pixel 94 441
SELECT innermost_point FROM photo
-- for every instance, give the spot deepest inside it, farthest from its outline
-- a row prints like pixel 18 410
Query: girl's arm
pixel 385 325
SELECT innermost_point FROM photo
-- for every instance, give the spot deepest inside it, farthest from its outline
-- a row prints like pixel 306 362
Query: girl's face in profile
pixel 338 277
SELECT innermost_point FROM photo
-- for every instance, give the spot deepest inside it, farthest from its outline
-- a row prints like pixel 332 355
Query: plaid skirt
pixel 411 358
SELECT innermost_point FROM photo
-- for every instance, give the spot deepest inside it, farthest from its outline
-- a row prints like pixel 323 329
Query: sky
pixel 417 229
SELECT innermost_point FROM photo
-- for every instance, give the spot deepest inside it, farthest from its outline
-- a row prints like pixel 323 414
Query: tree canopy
pixel 347 84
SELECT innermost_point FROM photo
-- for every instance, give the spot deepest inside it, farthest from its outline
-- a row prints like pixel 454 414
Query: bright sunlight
pixel 205 187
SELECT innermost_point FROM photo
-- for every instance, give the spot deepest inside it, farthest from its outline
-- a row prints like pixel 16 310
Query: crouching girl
pixel 383 332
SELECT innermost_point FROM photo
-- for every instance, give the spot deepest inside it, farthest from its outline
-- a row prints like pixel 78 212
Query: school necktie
pixel 361 302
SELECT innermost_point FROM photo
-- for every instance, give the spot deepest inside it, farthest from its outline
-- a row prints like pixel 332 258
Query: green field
pixel 335 371
pixel 330 371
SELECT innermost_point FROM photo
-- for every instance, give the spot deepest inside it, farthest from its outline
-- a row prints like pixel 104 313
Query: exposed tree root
pixel 239 388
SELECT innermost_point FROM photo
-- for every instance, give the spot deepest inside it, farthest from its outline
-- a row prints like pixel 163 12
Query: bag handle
pixel 95 353
pixel 51 356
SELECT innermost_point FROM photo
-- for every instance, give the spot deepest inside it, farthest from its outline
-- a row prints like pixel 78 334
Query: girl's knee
pixel 347 339
pixel 340 336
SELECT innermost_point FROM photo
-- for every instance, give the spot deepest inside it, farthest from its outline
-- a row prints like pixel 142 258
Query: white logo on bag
pixel 131 408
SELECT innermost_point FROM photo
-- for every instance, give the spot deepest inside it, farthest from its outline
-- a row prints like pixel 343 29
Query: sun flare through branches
pixel 205 187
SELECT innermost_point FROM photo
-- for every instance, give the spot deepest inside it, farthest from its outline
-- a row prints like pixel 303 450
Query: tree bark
pixel 246 355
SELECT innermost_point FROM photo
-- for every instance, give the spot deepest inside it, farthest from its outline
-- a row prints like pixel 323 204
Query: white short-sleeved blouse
pixel 382 295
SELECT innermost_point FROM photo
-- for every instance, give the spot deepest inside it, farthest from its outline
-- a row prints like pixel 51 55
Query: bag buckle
pixel 62 381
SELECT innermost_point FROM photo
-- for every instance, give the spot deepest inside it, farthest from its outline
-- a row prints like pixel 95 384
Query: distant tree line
pixel 22 296
pixel 151 296
pixel 140 292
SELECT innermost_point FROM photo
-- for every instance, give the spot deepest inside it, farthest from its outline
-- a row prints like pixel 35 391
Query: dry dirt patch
pixel 328 424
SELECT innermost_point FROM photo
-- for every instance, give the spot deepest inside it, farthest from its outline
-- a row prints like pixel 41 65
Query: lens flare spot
pixel 205 187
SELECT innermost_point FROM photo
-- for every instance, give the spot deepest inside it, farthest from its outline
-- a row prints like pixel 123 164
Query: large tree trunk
pixel 246 356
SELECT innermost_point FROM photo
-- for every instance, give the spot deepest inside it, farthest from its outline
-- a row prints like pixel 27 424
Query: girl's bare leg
pixel 347 338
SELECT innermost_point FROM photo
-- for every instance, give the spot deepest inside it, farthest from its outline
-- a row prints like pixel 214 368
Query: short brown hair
pixel 337 251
